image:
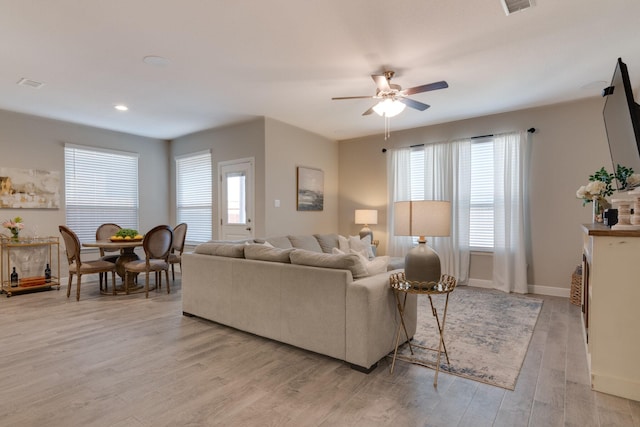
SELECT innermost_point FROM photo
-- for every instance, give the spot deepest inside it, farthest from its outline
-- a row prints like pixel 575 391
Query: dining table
pixel 127 254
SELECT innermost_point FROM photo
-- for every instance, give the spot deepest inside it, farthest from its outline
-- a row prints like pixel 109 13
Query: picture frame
pixel 29 189
pixel 310 189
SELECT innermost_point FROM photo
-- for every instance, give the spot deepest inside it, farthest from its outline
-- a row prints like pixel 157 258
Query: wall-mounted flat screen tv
pixel 622 120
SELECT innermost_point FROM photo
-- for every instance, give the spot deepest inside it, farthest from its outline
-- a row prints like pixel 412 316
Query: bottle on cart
pixel 14 278
pixel 47 274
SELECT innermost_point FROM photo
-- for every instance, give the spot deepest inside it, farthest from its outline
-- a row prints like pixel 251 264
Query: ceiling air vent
pixel 512 6
pixel 31 83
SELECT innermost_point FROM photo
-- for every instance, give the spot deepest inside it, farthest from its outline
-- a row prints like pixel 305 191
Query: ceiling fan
pixel 389 93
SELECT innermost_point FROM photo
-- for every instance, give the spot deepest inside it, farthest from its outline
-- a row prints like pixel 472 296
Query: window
pixel 100 186
pixel 482 188
pixel 481 206
pixel 194 195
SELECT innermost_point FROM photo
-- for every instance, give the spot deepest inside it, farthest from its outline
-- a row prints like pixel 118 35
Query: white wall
pixel 31 142
pixel 288 147
pixel 569 144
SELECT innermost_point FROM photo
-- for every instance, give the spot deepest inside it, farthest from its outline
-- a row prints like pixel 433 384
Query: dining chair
pixel 157 246
pixel 78 267
pixel 104 232
pixel 175 257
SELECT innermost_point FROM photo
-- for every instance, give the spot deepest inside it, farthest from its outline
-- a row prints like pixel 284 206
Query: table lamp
pixel 366 217
pixel 422 218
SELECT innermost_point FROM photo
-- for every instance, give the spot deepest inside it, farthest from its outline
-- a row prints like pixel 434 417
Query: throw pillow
pixel 343 244
pixel 375 266
pixel 362 245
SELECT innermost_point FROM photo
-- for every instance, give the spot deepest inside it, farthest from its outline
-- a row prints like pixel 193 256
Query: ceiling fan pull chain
pixel 387 128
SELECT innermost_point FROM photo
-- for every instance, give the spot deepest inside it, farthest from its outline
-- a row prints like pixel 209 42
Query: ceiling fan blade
pixel 381 82
pixel 414 104
pixel 426 88
pixel 352 97
pixel 369 111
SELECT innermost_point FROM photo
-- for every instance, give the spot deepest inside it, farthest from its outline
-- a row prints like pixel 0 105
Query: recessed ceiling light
pixel 158 61
pixel 31 83
pixel 121 107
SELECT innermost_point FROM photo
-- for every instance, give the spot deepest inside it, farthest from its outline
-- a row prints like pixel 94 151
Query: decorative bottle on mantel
pixel 14 278
pixel 47 274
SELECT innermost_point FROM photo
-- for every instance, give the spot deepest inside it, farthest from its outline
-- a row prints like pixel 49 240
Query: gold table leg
pixel 441 344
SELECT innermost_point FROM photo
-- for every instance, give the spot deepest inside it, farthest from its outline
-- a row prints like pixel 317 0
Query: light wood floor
pixel 127 361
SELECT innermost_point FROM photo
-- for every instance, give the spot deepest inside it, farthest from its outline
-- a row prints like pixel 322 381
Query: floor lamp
pixel 422 218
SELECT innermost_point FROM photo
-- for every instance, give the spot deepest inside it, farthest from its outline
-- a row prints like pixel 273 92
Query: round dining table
pixel 127 254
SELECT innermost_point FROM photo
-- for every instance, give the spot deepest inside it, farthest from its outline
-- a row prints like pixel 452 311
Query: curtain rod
pixel 530 130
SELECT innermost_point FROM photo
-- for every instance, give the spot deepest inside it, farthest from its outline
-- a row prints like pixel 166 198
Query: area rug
pixel 487 333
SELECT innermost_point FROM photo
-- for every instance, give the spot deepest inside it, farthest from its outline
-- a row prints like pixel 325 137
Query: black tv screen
pixel 621 119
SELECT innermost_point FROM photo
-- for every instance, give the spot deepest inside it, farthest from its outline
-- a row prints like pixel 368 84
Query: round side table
pixel 401 285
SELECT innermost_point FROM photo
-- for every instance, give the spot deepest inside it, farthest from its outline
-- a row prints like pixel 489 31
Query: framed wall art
pixel 29 188
pixel 310 189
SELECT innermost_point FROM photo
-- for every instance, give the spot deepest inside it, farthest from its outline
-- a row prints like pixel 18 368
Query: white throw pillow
pixel 343 244
pixel 337 251
pixel 375 266
pixel 362 245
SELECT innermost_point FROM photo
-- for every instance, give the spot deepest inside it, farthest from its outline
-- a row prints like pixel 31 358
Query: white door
pixel 236 199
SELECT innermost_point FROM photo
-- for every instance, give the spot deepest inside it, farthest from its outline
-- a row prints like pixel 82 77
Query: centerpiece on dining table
pixel 126 235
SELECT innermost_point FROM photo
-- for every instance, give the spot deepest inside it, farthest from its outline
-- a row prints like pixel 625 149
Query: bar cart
pixel 29 264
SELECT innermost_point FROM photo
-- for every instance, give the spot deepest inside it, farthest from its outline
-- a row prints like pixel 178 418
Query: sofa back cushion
pixel 327 242
pixel 267 253
pixel 349 262
pixel 231 250
pixel 306 242
pixel 281 242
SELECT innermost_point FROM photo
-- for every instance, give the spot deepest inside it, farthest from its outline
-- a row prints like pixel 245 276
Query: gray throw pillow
pixel 308 243
pixel 327 242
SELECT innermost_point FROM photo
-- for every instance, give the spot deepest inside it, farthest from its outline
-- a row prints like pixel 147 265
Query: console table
pixel 611 311
pixel 29 256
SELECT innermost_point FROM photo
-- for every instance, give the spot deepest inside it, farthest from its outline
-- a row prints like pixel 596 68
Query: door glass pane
pixel 236 201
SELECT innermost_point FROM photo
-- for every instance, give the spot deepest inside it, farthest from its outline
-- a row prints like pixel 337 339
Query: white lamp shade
pixel 389 107
pixel 422 218
pixel 366 216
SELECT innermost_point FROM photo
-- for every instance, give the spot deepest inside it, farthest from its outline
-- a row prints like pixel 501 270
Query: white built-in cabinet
pixel 611 309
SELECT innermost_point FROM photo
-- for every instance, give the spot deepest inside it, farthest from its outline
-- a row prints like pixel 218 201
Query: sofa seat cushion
pixel 349 262
pixel 395 263
pixel 267 253
pixel 231 250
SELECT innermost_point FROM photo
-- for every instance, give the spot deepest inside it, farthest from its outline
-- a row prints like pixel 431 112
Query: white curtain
pixel 399 189
pixel 510 210
pixel 446 177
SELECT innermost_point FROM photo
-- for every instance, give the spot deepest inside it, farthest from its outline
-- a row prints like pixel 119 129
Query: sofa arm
pixel 373 319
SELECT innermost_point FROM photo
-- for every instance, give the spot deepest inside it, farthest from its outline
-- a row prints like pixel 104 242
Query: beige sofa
pixel 298 293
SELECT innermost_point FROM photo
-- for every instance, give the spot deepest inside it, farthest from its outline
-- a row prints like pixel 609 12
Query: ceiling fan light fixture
pixel 389 107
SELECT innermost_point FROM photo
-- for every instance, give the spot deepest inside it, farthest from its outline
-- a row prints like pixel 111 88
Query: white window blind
pixel 101 186
pixel 481 207
pixel 194 195
pixel 417 173
pixel 482 190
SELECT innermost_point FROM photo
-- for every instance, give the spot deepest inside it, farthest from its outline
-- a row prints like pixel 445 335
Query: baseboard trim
pixel 532 289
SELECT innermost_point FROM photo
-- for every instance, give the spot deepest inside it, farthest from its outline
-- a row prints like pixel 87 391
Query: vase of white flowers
pixel 596 192
pixel 14 226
